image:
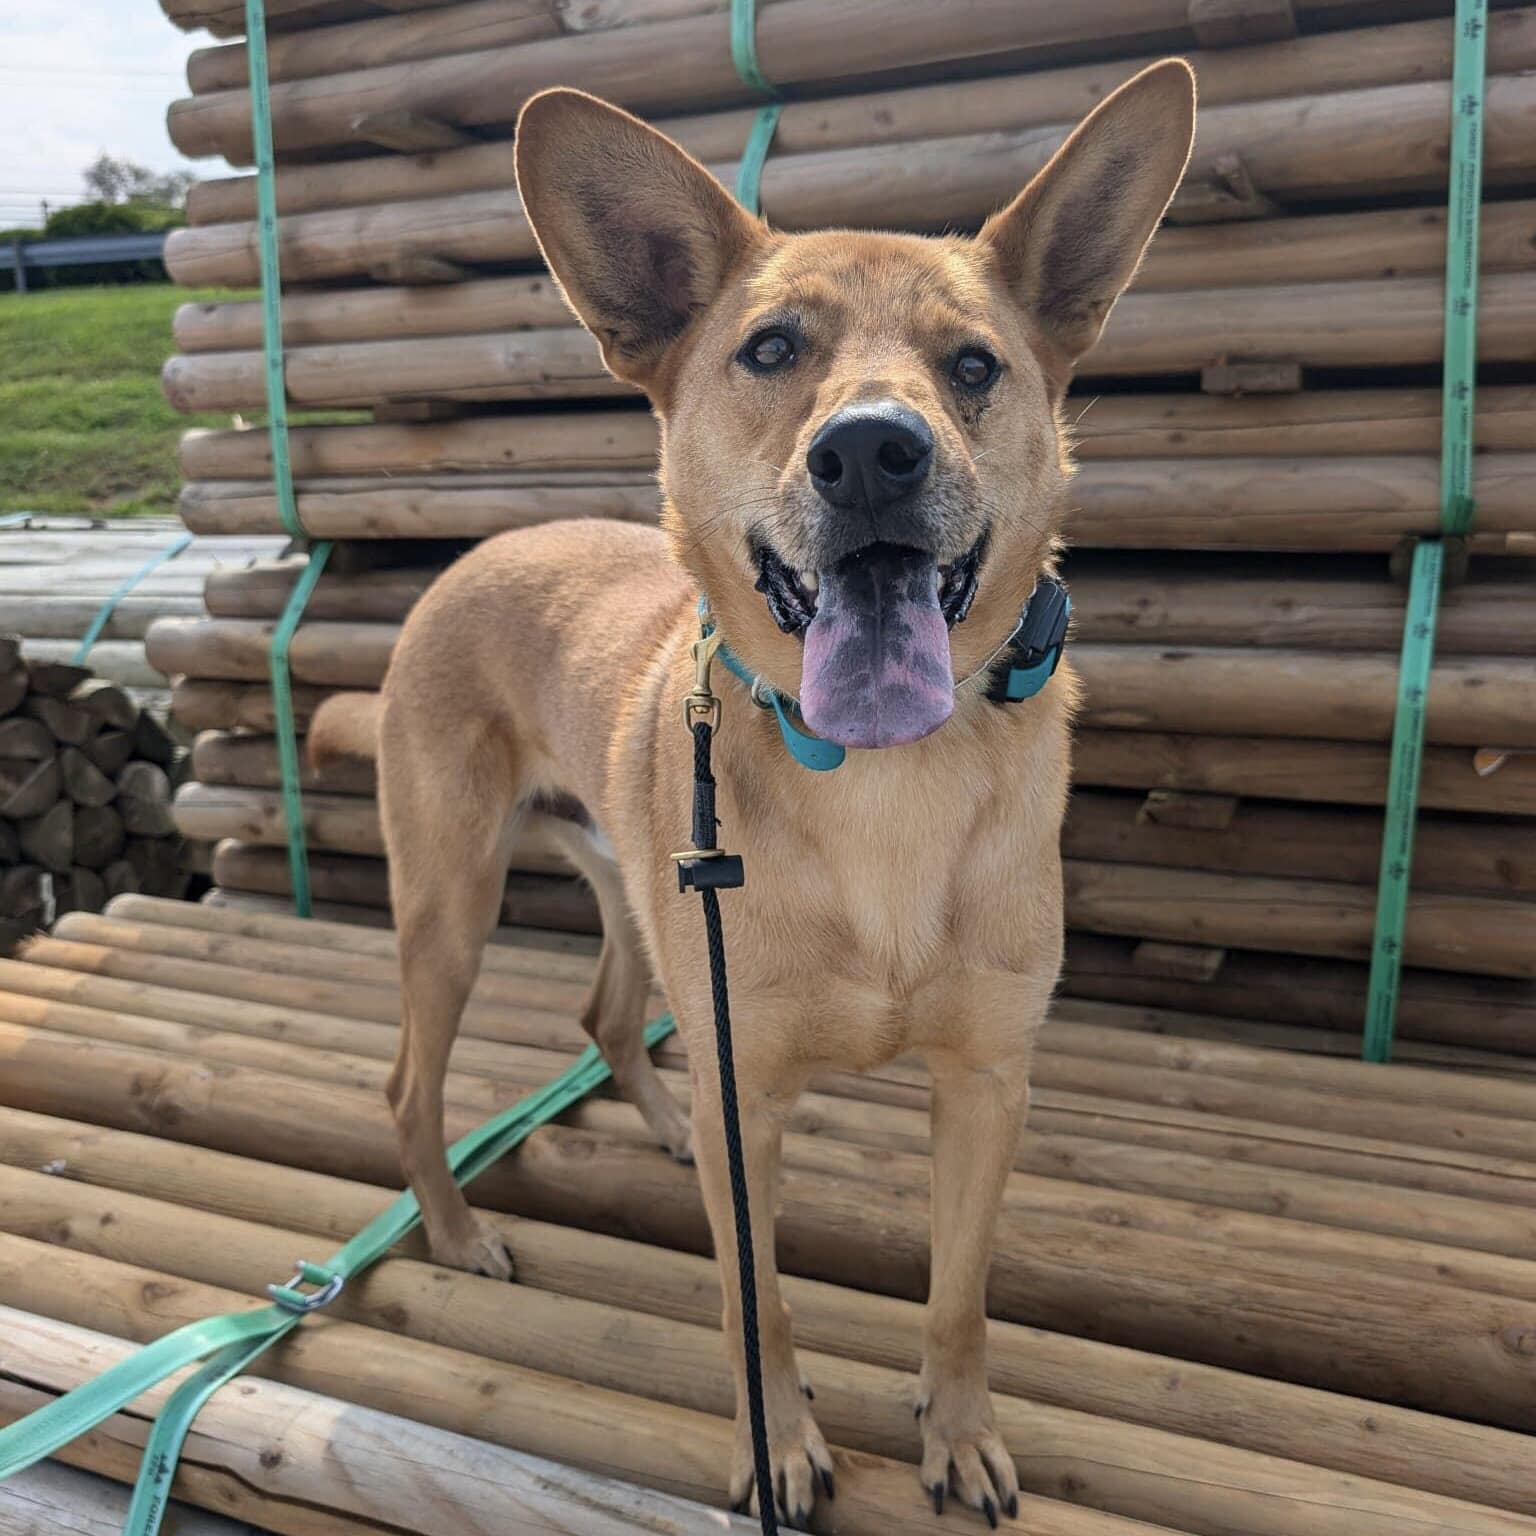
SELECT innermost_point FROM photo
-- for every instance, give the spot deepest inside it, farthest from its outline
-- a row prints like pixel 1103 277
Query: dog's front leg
pixel 799 1454
pixel 978 1115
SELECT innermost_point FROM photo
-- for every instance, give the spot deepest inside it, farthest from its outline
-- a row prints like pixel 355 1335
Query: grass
pixel 83 425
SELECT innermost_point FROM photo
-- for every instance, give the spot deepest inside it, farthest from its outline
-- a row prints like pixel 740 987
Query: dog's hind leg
pixel 448 807
pixel 614 1012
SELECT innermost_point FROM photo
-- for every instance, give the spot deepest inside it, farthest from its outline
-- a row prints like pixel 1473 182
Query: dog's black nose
pixel 870 454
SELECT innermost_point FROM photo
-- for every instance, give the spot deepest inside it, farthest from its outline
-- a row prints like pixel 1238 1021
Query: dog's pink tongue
pixel 876 671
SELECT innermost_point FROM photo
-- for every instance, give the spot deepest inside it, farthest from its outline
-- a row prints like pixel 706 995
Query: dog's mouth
pixel 876 624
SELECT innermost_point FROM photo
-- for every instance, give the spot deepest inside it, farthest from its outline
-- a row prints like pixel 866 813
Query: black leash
pixel 709 870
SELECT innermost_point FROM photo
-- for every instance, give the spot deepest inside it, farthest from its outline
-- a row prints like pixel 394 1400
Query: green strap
pixel 108 608
pixel 287 730
pixel 282 466
pixel 1456 512
pixel 749 174
pixel 229 1343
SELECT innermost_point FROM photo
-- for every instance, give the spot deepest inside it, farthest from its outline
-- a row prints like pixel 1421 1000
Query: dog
pixel 864 467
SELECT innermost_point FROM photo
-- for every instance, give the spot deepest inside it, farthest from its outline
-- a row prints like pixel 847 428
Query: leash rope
pixel 282 465
pixel 229 1343
pixel 1457 505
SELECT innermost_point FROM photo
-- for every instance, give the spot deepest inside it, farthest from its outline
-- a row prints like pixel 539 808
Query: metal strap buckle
pixel 291 1299
pixel 701 705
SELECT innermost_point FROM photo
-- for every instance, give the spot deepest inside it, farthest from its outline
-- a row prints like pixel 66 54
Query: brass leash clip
pixel 701 705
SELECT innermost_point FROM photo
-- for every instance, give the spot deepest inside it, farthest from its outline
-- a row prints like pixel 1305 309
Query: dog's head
pixel 861 442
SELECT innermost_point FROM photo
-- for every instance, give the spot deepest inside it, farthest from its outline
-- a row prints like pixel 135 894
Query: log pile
pixel 1258 434
pixel 86 780
pixel 1237 1289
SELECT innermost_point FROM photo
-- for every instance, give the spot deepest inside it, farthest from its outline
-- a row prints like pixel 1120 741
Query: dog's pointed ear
pixel 639 234
pixel 1072 240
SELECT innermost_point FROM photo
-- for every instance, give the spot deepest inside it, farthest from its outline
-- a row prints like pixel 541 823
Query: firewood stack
pixel 1258 433
pixel 86 776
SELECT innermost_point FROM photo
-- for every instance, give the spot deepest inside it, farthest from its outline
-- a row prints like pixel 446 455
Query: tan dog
pixel 862 445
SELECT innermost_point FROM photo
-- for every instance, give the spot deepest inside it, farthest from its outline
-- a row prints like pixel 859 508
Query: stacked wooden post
pixel 1258 434
pixel 1237 1292
pixel 86 776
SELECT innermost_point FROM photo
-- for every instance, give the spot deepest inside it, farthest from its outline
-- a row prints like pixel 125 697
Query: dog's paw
pixel 802 1466
pixel 481 1252
pixel 963 1453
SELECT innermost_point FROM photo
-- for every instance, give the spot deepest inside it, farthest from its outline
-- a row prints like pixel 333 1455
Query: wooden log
pixel 25 888
pixel 99 836
pixel 1141 1459
pixel 116 661
pixel 429 513
pixel 515 1008
pixel 67 725
pixel 260 591
pixel 1335 696
pixel 1451 932
pixel 1232 504
pixel 1308 147
pixel 1321 324
pixel 1333 248
pixel 1302 604
pixel 110 750
pixel 152 741
pixel 49 839
pixel 60 617
pixel 120 878
pixel 1315 843
pixel 1468 1011
pixel 13 688
pixel 222 757
pixel 1319 423
pixel 156 861
pixel 1261 767
pixel 82 780
pixel 144 800
pixel 107 702
pixel 55 679
pixel 25 738
pixel 1052 1368
pixel 28 787
pixel 292 1458
pixel 1053 1278
pixel 336 654
pixel 48 1499
pixel 80 890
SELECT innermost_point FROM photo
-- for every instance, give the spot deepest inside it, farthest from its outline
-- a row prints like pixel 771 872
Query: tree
pixel 114 179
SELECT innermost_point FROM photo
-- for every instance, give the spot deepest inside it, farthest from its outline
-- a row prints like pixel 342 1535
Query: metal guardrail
pixel 86 250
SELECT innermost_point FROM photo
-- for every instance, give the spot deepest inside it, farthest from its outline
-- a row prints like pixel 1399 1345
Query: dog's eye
pixel 974 369
pixel 767 351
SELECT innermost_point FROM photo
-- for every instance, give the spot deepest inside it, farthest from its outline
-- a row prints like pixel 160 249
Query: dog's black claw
pixel 809 1390
pixel 827 1484
pixel 744 1505
pixel 936 1493
pixel 1013 1506
pixel 802 1520
pixel 917 1412
pixel 989 1509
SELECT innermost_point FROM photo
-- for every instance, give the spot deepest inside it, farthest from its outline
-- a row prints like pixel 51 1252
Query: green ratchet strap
pixel 229 1343
pixel 749 174
pixel 1456 510
pixel 108 608
pixel 287 731
pixel 282 467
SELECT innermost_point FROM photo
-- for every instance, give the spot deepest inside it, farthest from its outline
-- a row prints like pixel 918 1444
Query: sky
pixel 79 78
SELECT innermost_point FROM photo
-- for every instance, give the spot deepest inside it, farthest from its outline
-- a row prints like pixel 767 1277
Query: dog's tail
pixel 345 725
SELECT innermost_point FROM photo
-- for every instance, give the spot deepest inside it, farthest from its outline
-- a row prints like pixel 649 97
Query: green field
pixel 83 425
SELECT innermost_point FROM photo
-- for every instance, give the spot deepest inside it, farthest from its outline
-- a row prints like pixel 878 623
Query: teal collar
pixel 1031 655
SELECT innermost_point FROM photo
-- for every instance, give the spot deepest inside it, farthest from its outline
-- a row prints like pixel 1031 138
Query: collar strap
pixel 1034 652
pixel 807 750
pixel 1028 661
